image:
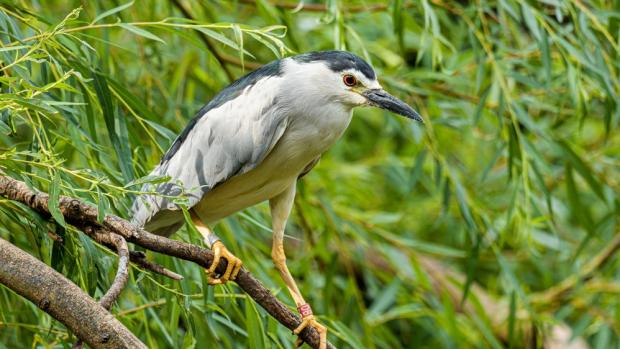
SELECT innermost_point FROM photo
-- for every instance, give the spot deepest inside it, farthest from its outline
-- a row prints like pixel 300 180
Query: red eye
pixel 349 80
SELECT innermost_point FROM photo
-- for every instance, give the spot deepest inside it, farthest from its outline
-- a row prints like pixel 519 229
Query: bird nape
pixel 252 143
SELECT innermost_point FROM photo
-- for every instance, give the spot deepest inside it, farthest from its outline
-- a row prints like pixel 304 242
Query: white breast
pixel 304 140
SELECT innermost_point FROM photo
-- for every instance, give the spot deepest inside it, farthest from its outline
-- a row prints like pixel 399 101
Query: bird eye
pixel 349 80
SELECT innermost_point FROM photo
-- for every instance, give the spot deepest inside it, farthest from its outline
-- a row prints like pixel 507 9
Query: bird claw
pixel 232 269
pixel 309 320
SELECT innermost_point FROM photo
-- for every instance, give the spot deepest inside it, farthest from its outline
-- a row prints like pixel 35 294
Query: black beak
pixel 379 98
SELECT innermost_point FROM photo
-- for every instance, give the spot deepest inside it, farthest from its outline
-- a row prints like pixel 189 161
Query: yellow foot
pixel 232 269
pixel 307 319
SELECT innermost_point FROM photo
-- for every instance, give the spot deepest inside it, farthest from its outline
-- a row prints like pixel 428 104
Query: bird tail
pixel 148 213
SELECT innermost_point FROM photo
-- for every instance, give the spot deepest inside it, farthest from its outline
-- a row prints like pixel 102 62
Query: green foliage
pixel 513 181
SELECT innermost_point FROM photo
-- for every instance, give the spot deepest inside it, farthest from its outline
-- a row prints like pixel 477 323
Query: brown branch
pixel 84 217
pixel 62 299
pixel 139 259
pixel 120 280
pixel 136 257
pixel 122 274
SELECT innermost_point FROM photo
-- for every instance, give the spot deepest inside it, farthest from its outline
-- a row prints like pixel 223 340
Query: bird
pixel 251 143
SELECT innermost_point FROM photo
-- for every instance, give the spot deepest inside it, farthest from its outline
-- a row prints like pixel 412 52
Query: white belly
pixel 300 145
pixel 243 191
pixel 276 173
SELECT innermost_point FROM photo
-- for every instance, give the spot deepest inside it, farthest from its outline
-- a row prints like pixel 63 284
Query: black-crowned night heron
pixel 252 142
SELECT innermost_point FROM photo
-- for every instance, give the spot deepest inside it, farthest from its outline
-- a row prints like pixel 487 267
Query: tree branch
pixel 139 259
pixel 122 274
pixel 136 257
pixel 62 299
pixel 84 217
pixel 120 280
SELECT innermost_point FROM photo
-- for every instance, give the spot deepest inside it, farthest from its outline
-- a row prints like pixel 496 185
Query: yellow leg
pixel 280 210
pixel 220 251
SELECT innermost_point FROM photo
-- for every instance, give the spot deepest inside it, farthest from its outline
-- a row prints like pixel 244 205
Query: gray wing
pixel 226 141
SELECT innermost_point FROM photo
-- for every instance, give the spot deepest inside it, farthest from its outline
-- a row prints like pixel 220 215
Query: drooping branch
pixel 122 274
pixel 84 217
pixel 62 299
pixel 120 280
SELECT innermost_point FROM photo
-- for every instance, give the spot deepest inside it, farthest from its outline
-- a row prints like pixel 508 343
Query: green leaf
pixel 512 319
pixel 268 44
pixel 224 40
pixel 141 32
pixel 122 150
pixel 397 20
pixel 4 128
pixel 481 104
pixel 472 264
pixel 584 170
pixel 13 48
pixel 90 113
pixel 239 38
pixel 111 12
pixel 545 55
pixel 58 250
pixel 416 171
pixel 530 20
pixel 386 298
pixel 101 205
pixel 254 324
pixel 462 200
pixel 53 203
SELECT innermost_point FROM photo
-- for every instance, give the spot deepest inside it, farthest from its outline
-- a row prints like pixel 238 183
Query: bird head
pixel 346 78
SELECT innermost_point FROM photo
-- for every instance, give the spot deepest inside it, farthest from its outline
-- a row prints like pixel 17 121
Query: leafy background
pixel 454 234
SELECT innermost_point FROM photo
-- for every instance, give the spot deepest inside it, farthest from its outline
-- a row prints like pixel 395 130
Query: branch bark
pixel 84 217
pixel 122 274
pixel 62 299
pixel 136 257
pixel 120 280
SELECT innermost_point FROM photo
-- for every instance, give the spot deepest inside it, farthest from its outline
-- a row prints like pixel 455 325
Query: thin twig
pixel 139 259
